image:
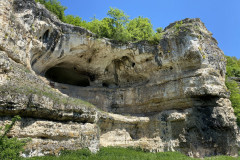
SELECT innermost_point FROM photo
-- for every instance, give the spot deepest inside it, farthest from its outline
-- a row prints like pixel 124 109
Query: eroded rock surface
pixel 165 97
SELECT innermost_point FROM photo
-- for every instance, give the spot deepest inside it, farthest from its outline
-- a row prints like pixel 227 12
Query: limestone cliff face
pixel 165 97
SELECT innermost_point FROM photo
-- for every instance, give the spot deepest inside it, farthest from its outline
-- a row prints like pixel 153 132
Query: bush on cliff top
pixel 116 26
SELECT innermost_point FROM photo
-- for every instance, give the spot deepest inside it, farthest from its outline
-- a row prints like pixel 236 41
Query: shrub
pixel 118 22
pixel 10 148
pixel 155 39
pixel 177 26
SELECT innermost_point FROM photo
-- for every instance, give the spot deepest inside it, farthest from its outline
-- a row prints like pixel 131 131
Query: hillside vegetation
pixel 233 70
pixel 10 148
pixel 233 67
pixel 117 25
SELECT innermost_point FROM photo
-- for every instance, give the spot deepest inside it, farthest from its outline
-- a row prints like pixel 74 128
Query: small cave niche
pixel 221 73
pixel 133 64
pixel 104 84
pixel 67 76
pixel 109 84
pixel 45 36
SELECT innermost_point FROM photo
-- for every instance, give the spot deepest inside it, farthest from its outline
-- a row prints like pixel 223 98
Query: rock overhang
pixel 124 70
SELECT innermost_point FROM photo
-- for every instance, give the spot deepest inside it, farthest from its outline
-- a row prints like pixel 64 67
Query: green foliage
pixel 119 27
pixel 55 7
pixel 119 17
pixel 117 153
pixel 76 21
pixel 235 97
pixel 116 26
pixel 111 27
pixel 177 26
pixel 103 28
pixel 233 70
pixel 159 30
pixel 140 28
pixel 10 148
pixel 117 22
pixel 157 36
pixel 221 158
pixel 233 67
pixel 8 127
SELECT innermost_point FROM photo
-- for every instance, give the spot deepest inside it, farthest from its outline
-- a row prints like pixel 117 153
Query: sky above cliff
pixel 221 17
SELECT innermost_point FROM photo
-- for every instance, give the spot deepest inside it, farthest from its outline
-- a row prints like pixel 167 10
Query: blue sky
pixel 221 17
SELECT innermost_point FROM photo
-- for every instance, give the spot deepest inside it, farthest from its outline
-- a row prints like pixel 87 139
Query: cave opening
pixel 45 36
pixel 67 76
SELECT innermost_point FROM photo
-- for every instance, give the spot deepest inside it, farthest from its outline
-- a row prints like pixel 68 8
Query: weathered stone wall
pixel 165 97
pixel 50 137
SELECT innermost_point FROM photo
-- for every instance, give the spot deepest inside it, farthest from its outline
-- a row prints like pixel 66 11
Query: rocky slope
pixel 166 97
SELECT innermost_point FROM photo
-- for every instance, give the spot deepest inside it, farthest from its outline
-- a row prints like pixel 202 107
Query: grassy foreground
pixel 111 153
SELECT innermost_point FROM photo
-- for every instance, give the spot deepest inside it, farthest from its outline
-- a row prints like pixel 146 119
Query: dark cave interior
pixel 68 76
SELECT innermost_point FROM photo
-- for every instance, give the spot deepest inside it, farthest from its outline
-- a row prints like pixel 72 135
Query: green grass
pixel 114 153
pixel 221 158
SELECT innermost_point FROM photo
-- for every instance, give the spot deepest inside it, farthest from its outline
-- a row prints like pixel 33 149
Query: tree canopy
pixel 117 25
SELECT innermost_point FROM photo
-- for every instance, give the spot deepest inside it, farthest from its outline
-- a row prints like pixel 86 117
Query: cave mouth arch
pixel 67 76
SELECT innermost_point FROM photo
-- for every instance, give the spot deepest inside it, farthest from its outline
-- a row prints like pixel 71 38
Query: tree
pixel 119 21
pixel 140 29
pixel 103 28
pixel 159 30
pixel 76 21
pixel 118 16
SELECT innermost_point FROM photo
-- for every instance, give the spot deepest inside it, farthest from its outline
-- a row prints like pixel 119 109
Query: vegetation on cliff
pixel 10 148
pixel 233 70
pixel 117 25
